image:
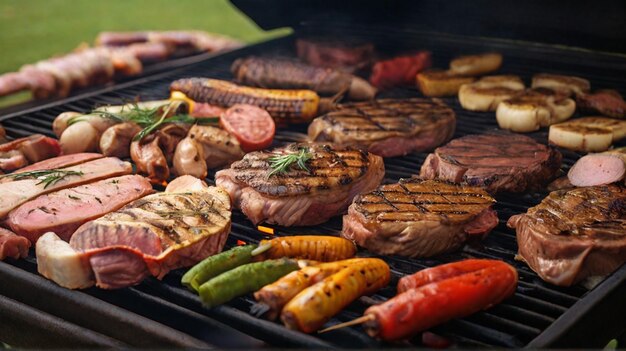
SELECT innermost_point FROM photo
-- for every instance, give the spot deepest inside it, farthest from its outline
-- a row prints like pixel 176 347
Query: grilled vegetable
pixel 291 74
pixel 217 264
pixel 442 272
pixel 589 134
pixel 532 109
pixel 315 305
pixel 476 65
pixel 244 279
pixel 309 247
pixel 486 93
pixel 568 85
pixel 273 297
pixel 296 106
pixel 252 126
pixel 440 83
pixel 450 291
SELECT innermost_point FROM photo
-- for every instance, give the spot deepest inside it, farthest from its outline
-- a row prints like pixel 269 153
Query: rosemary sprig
pixel 280 163
pixel 150 119
pixel 47 177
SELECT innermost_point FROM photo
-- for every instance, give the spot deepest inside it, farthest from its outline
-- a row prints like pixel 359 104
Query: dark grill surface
pixel 536 315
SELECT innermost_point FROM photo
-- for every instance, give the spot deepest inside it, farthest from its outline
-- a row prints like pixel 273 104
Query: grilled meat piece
pixel 496 161
pixel 3 135
pixel 344 56
pixel 155 234
pixel 300 197
pixel 62 212
pixel 59 162
pixel 12 245
pixel 17 192
pixel 607 102
pixel 20 152
pixel 419 218
pixel 387 127
pixel 284 73
pixel 574 234
pixel 399 70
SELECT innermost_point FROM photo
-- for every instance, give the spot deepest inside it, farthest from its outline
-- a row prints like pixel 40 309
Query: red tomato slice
pixel 253 127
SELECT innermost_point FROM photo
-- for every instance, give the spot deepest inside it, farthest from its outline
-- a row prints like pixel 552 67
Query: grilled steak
pixel 495 161
pixel 419 218
pixel 387 127
pixel 574 234
pixel 607 102
pixel 62 212
pixel 299 196
pixel 346 56
pixel 155 234
pixel 12 245
pixel 17 192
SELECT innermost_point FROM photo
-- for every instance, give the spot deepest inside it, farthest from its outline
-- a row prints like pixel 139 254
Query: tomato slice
pixel 253 127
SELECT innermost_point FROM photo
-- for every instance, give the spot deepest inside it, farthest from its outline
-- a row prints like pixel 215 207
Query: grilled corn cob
pixel 315 305
pixel 276 295
pixel 309 247
pixel 295 106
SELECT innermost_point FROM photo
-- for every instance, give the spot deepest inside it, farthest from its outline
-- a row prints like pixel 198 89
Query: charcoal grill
pixel 36 312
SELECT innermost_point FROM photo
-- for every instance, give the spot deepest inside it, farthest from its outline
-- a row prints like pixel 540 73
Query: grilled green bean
pixel 244 279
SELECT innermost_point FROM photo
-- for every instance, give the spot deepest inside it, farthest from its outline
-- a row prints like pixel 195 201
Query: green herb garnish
pixel 280 163
pixel 150 119
pixel 47 177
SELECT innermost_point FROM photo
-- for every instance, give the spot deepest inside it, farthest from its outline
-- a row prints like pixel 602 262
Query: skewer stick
pixel 360 320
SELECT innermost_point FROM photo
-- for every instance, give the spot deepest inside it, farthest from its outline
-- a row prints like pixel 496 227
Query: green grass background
pixel 32 30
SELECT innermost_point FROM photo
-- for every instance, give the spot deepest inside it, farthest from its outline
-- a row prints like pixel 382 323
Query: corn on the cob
pixel 315 305
pixel 283 105
pixel 309 247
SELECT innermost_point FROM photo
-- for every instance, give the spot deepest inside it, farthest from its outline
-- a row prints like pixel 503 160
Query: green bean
pixel 244 279
pixel 215 265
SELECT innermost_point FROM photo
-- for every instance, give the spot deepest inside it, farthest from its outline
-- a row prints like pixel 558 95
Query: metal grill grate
pixel 538 314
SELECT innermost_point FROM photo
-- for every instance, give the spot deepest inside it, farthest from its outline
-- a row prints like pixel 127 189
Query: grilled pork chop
pixel 574 234
pixel 387 127
pixel 299 196
pixel 419 218
pixel 155 234
pixel 62 212
pixel 495 161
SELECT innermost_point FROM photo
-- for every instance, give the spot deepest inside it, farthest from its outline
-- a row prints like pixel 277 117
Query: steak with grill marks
pixel 496 161
pixel 150 236
pixel 387 127
pixel 419 218
pixel 574 234
pixel 298 196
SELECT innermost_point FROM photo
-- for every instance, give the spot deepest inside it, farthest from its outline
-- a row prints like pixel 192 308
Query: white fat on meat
pixel 59 262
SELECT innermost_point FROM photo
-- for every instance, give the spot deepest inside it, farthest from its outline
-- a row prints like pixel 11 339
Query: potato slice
pixel 441 83
pixel 568 85
pixel 580 137
pixel 618 127
pixel 486 93
pixel 530 110
pixel 476 65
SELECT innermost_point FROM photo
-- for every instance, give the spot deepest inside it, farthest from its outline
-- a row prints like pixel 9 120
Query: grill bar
pixel 538 315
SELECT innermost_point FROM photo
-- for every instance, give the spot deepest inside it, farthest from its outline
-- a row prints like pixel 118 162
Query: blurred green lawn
pixel 32 30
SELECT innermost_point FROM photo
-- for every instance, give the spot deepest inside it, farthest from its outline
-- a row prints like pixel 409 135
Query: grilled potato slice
pixel 590 134
pixel 441 83
pixel 530 110
pixel 476 65
pixel 486 93
pixel 568 85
